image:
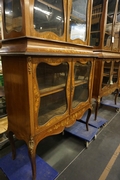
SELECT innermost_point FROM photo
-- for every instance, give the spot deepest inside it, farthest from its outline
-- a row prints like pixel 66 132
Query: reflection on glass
pixel 117 29
pixel 78 20
pixel 116 36
pixel 81 86
pixel 109 24
pixel 118 13
pixel 95 22
pixel 52 84
pixel 107 79
pixel 49 16
pixel 115 71
pixel 13 15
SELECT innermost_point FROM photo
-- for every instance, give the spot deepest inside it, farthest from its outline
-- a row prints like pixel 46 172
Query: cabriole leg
pixel 32 155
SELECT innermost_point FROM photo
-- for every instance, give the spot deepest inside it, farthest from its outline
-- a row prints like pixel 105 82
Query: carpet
pixel 20 168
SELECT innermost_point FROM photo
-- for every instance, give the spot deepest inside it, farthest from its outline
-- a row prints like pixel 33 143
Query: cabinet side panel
pixel 97 77
pixel 16 93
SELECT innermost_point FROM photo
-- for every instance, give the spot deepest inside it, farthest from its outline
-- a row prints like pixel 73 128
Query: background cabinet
pixel 105 39
pixel 106 79
pixel 105 25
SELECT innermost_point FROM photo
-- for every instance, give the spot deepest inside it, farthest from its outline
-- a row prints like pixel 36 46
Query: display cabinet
pixel 105 25
pixel 106 79
pixel 105 32
pixel 48 67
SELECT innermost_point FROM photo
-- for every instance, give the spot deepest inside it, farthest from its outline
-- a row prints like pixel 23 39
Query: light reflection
pixel 45 12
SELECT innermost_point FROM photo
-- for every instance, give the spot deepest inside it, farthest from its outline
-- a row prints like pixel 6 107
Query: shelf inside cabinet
pixel 77 19
pixel 80 82
pixel 107 33
pixel 49 5
pixel 96 14
pixel 106 67
pixel 94 32
pixel 52 90
pixel 106 74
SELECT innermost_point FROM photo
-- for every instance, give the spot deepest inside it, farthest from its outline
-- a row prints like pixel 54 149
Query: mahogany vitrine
pixel 105 39
pixel 48 67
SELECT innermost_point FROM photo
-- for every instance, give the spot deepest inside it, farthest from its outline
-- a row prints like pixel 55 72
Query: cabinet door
pixel 52 81
pixel 49 19
pixel 78 21
pixel 116 67
pixel 116 42
pixel 81 73
pixel 13 18
pixel 95 35
pixel 107 69
pixel 108 35
pixel 110 73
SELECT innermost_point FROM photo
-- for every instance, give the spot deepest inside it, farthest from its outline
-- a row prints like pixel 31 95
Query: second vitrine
pixel 106 78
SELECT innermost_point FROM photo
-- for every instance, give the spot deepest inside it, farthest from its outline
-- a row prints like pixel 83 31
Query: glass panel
pixel 95 23
pixel 106 74
pixel 117 29
pixel 13 15
pixel 81 89
pixel 109 23
pixel 115 71
pixel 116 36
pixel 78 20
pixel 52 84
pixel 49 16
pixel 118 13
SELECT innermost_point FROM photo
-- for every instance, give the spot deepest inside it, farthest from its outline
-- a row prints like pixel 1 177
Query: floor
pixel 69 156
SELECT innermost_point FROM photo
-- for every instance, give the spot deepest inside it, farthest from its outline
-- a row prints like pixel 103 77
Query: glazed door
pixel 52 76
pixel 48 19
pixel 107 74
pixel 96 28
pixel 116 69
pixel 116 34
pixel 110 73
pixel 13 19
pixel 108 35
pixel 80 88
pixel 78 20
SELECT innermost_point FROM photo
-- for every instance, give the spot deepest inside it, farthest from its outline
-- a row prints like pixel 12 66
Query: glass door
pixel 49 17
pixel 107 76
pixel 116 67
pixel 77 24
pixel 116 34
pixel 97 11
pixel 13 15
pixel 52 82
pixel 108 38
pixel 80 85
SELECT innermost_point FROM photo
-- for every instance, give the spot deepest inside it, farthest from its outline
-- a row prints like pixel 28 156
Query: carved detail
pixel 66 122
pixel 29 65
pixel 51 61
pixel 36 98
pixel 31 145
